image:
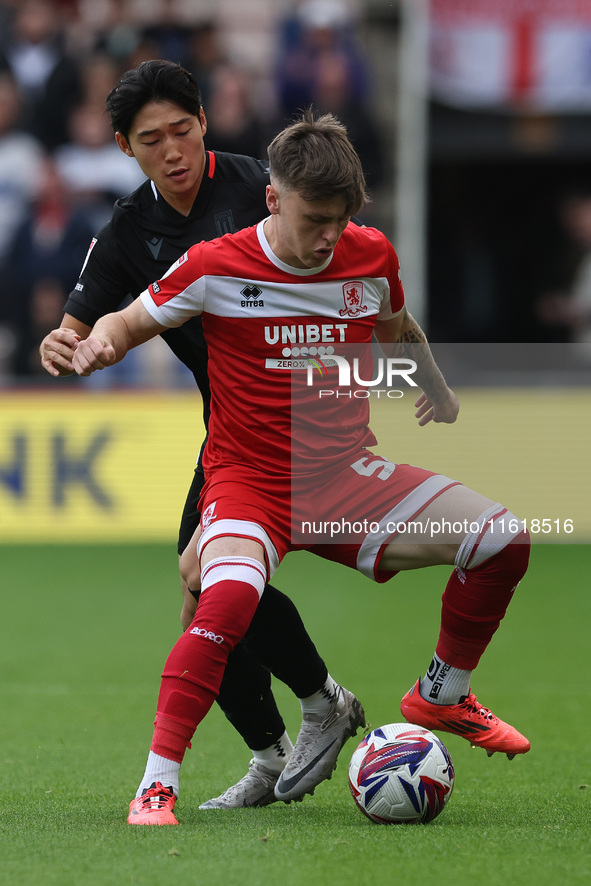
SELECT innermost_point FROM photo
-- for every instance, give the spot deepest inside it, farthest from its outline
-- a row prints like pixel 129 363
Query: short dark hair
pixel 156 80
pixel 315 158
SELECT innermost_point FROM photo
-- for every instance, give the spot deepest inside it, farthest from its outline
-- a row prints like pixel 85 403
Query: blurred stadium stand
pixel 478 158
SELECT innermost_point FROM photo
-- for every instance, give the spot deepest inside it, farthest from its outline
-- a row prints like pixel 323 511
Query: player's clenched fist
pixel 91 354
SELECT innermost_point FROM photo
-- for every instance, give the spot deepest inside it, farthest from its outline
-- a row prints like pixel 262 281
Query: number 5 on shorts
pixel 369 465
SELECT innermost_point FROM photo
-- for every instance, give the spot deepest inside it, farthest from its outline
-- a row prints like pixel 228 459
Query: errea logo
pixel 252 299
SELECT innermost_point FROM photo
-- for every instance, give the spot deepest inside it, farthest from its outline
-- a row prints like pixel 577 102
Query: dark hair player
pixel 190 195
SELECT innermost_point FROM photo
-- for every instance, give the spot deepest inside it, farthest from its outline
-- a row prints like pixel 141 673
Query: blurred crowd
pixel 60 169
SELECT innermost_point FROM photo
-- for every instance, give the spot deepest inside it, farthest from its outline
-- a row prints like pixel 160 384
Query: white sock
pixel 160 769
pixel 443 684
pixel 319 703
pixel 276 755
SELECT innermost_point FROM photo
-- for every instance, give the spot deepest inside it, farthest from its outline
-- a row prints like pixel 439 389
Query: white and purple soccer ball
pixel 401 774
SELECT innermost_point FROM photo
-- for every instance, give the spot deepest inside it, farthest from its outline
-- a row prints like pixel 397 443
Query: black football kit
pixel 143 238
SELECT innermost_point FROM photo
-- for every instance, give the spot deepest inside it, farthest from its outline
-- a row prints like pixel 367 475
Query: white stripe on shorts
pixel 405 510
pixel 496 528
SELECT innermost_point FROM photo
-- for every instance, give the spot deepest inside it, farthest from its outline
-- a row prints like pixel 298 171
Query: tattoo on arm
pixel 412 343
pixel 414 335
pixel 411 334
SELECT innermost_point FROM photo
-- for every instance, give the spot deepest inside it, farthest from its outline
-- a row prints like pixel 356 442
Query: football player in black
pixel 192 194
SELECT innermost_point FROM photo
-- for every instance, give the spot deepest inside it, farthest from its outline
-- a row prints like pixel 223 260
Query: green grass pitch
pixel 84 632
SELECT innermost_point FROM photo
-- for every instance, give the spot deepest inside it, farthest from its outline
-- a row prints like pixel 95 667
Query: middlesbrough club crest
pixel 208 515
pixel 353 298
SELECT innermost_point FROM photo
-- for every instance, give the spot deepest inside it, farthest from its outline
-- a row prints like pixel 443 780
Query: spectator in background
pixel 206 55
pixel 92 166
pixel 321 64
pixel 569 310
pixel 90 163
pixel 232 123
pixel 110 28
pixel 334 92
pixel 33 50
pixel 21 162
pixel 170 33
pixel 317 28
pixel 7 8
pixel 99 72
pixel 43 308
pixel 41 266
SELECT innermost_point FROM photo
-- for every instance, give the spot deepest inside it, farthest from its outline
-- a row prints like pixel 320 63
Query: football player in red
pixel 276 461
pixel 193 194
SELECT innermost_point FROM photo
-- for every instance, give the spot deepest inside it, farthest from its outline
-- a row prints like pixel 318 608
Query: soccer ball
pixel 401 773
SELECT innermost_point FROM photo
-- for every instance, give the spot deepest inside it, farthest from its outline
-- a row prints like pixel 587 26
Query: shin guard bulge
pixel 231 589
pixel 489 565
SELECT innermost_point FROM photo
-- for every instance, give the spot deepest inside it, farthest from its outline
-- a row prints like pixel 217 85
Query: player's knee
pixel 506 561
pixel 514 557
pixel 501 544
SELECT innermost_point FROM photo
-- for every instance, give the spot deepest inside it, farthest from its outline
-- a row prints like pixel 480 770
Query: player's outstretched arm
pixel 113 336
pixel 403 337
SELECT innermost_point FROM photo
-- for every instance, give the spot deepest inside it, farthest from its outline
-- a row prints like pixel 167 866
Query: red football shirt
pixel 266 323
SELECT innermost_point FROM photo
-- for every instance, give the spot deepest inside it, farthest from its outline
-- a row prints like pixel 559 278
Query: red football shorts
pixel 347 514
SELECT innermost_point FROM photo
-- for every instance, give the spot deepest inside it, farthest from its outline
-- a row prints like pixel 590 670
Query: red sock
pixel 475 601
pixel 195 667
